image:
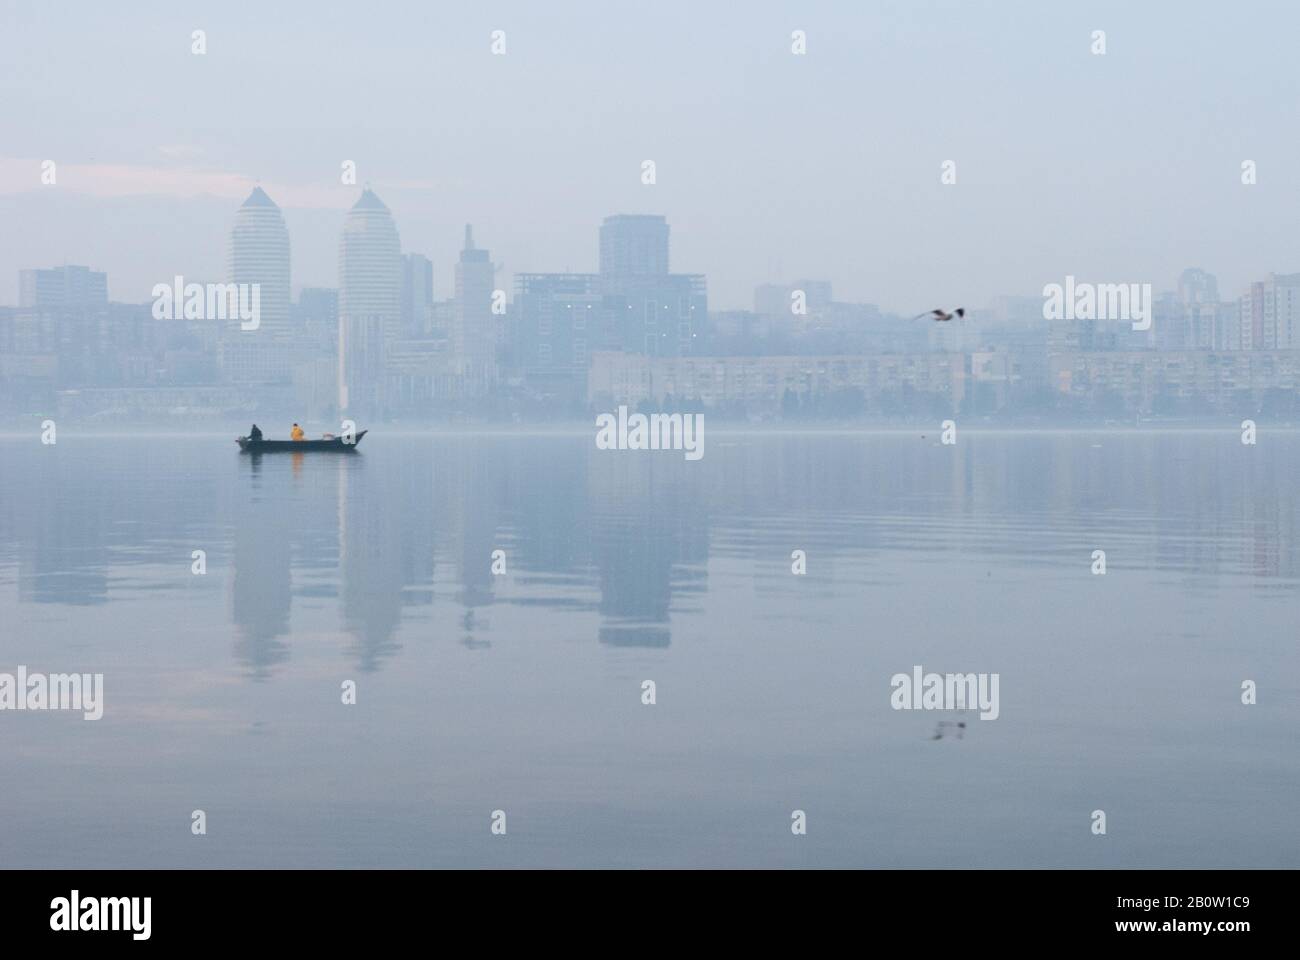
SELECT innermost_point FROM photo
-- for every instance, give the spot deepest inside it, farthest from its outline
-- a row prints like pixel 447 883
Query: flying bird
pixel 942 316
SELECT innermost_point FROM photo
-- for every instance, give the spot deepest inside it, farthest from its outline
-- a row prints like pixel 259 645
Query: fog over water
pixel 522 691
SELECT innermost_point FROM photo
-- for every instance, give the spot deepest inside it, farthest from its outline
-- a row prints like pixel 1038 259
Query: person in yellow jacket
pixel 296 433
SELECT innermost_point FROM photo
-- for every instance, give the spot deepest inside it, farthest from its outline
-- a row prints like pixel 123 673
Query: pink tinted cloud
pixel 109 180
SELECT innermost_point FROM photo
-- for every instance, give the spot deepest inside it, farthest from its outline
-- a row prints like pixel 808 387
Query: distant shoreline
pixel 83 429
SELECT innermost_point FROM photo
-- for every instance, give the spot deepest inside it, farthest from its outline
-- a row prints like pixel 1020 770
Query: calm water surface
pixel 522 692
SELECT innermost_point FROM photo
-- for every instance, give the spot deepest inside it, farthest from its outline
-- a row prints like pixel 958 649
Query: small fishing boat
pixel 328 444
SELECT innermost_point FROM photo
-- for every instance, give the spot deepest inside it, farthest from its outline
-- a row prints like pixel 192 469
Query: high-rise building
pixel 1269 313
pixel 557 320
pixel 62 288
pixel 647 309
pixel 474 337
pixel 259 253
pixel 1282 311
pixel 370 302
pixel 417 295
pixel 633 305
pixel 659 316
pixel 1250 317
pixel 633 245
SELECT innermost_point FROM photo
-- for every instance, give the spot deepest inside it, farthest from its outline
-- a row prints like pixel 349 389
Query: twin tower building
pixel 384 304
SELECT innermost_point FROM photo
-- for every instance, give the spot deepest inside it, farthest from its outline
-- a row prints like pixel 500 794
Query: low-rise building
pixel 763 384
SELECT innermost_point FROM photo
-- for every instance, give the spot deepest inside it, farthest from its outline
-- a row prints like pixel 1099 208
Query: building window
pixel 579 351
pixel 544 352
pixel 544 325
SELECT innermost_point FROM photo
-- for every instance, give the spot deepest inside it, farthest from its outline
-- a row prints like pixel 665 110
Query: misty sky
pixel 1123 167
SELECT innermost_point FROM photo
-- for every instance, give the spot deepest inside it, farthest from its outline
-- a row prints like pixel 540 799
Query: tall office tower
pixel 474 337
pixel 370 302
pixel 647 309
pixel 633 245
pixel 417 295
pixel 259 253
pixel 62 288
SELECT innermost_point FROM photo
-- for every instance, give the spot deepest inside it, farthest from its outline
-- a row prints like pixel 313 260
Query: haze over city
pixel 572 436
pixel 1123 167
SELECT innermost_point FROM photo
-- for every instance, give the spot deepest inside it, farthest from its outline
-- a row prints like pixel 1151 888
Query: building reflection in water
pixel 374 528
pixel 262 577
pixel 624 535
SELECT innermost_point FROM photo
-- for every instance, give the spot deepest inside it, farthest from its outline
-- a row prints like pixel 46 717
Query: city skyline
pixel 837 192
pixel 814 436
pixel 820 165
pixel 444 289
pixel 253 233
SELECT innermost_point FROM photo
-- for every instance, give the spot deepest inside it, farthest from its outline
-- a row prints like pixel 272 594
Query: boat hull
pixel 335 445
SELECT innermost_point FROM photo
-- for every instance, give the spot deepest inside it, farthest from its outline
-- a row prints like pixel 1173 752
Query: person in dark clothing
pixel 255 434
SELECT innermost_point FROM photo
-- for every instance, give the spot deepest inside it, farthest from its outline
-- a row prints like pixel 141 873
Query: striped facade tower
pixel 259 253
pixel 370 302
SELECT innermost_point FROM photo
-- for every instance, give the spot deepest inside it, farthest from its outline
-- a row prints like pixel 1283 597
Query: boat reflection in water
pixel 327 444
pixel 519 682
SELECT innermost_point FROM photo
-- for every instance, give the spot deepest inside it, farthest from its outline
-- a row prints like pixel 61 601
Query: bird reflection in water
pixel 953 729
